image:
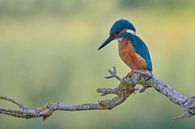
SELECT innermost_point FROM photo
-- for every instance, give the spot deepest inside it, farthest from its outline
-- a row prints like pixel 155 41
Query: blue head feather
pixel 120 25
pixel 139 47
pixel 116 28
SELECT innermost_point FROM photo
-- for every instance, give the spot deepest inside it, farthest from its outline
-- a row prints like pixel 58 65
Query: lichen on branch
pixel 127 87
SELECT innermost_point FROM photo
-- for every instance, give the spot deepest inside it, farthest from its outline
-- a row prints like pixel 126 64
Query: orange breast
pixel 129 56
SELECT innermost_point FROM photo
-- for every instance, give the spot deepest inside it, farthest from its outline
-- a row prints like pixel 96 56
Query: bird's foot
pixel 143 72
pixel 148 75
pixel 130 74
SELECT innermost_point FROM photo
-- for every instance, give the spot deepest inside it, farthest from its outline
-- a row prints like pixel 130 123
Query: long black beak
pixel 108 40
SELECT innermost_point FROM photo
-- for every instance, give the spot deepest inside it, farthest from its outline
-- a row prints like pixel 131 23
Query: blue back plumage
pixel 139 47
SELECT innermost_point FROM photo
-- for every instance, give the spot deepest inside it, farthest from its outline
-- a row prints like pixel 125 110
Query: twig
pixel 113 74
pixel 22 106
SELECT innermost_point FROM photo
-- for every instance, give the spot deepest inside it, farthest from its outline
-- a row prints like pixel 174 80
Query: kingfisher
pixel 132 49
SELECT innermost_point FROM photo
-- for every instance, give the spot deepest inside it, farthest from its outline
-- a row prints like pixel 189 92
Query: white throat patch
pixel 119 39
pixel 130 31
pixel 127 31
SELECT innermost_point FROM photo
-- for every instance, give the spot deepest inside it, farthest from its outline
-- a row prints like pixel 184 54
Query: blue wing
pixel 141 49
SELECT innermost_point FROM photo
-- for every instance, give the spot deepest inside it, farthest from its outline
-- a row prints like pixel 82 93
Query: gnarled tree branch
pixel 126 87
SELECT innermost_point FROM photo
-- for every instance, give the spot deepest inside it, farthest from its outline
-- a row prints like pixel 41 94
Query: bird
pixel 132 49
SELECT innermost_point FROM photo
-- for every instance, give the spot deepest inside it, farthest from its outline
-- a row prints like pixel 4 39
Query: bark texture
pixel 127 87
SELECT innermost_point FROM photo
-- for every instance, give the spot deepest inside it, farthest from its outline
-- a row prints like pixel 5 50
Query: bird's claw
pixel 143 72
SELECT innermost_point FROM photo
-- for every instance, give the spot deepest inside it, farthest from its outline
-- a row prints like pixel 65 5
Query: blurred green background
pixel 48 52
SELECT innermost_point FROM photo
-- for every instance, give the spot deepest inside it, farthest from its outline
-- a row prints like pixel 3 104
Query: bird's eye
pixel 112 35
pixel 115 34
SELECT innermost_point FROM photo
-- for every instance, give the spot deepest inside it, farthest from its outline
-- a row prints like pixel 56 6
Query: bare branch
pixel 126 87
pixel 22 106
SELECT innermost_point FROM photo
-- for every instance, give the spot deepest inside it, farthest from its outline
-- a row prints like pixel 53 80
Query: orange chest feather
pixel 129 56
pixel 126 48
